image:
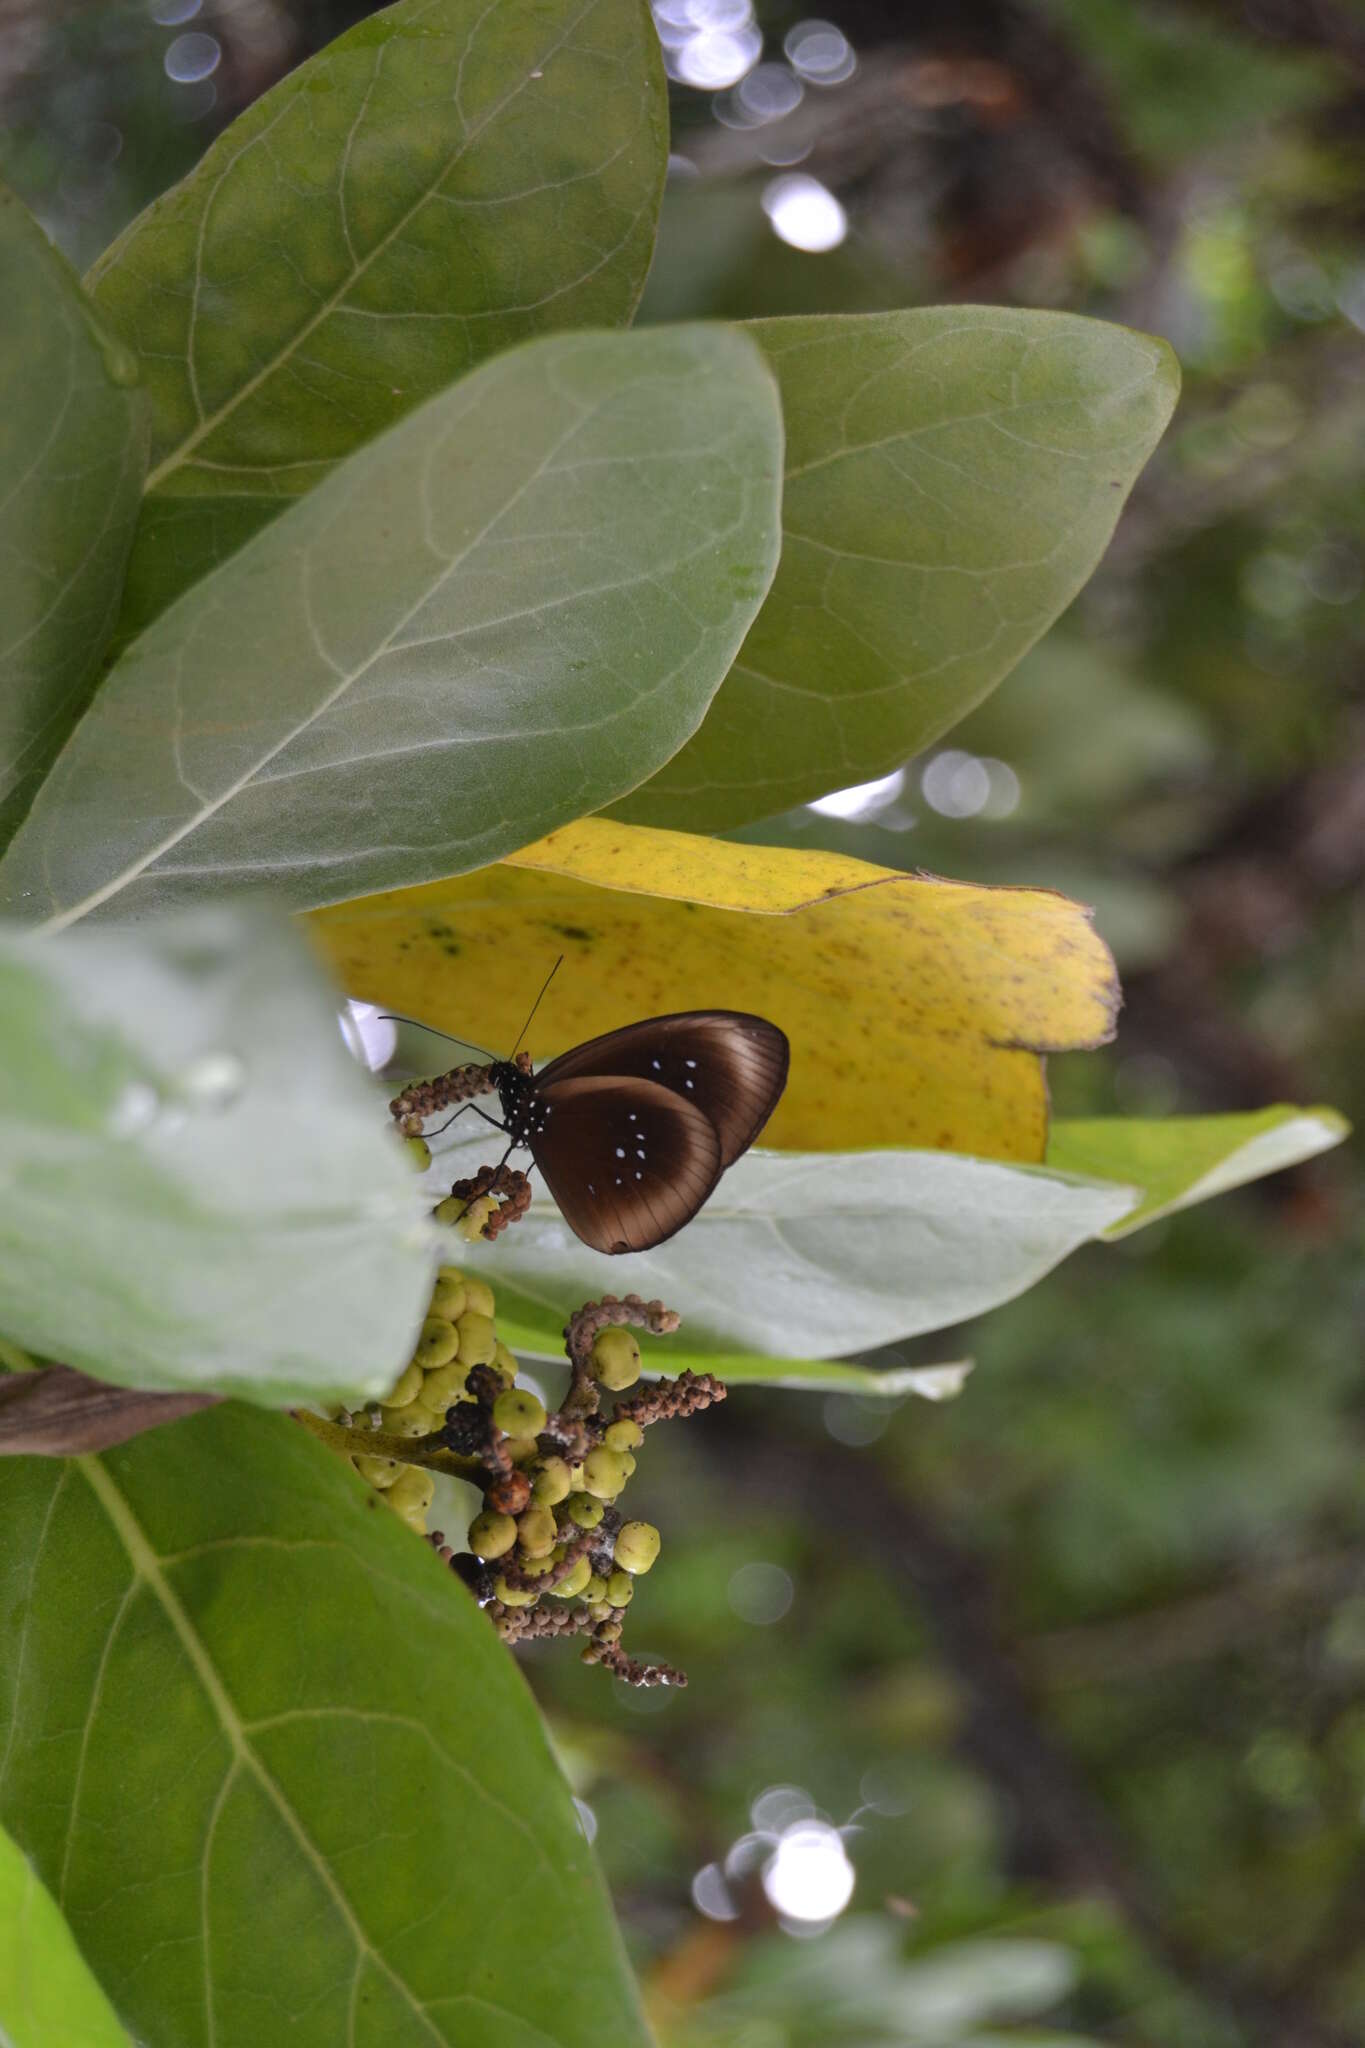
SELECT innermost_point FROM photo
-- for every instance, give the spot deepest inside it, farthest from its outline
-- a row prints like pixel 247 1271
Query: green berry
pixel 517 1412
pixel 479 1297
pixel 491 1534
pixel 624 1435
pixel 610 1631
pixel 419 1152
pixel 637 1546
pixel 505 1363
pixel 441 1389
pixel 478 1339
pixel 575 1582
pixel 436 1345
pixel 380 1472
pixel 628 1461
pixel 522 1450
pixel 584 1510
pixel 550 1482
pixel 411 1492
pixel 414 1420
pixel 620 1589
pixel 449 1298
pixel 513 1596
pixel 406 1387
pixel 616 1358
pixel 595 1593
pixel 604 1473
pixel 536 1532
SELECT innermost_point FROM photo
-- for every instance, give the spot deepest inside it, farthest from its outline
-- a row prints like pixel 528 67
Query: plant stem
pixel 430 1451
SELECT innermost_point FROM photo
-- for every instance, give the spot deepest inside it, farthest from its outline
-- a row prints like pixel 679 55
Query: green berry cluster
pixel 456 1335
pixel 550 1552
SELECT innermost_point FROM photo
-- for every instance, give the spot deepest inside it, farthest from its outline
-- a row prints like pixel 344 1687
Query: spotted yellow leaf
pixel 917 1008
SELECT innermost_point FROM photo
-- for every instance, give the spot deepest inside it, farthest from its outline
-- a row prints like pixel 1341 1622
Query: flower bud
pixel 518 1412
pixel 615 1357
pixel 550 1482
pixel 637 1546
pixel 508 1493
pixel 603 1473
pixel 436 1345
pixel 536 1532
pixel 625 1435
pixel 478 1339
pixel 620 1589
pixel 491 1534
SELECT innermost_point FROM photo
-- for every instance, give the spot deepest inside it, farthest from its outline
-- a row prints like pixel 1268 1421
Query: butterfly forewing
pixel 729 1064
pixel 627 1161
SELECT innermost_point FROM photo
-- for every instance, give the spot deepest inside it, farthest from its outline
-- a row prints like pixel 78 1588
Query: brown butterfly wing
pixel 628 1162
pixel 731 1064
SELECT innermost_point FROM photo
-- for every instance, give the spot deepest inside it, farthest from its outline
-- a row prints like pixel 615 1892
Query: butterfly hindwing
pixel 627 1160
pixel 729 1064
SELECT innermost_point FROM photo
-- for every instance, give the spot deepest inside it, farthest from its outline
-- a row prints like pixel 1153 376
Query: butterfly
pixel 632 1131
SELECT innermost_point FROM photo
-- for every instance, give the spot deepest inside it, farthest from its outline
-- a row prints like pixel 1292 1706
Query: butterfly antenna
pixel 397 1017
pixel 536 1005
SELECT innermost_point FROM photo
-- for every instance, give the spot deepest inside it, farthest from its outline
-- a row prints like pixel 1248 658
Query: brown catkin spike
pixel 529 1624
pixel 630 1669
pixel 421 1099
pixel 513 1190
pixel 545 1582
pixel 668 1400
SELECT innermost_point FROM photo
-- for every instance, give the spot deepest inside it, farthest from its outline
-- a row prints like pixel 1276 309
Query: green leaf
pixel 198 1186
pixel 48 1999
pixel 533 1325
pixel 507 610
pixel 276 1767
pixel 1180 1160
pixel 953 477
pixel 809 1255
pixel 443 181
pixel 73 445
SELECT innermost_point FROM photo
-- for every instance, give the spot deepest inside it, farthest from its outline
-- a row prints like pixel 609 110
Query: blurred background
pixel 1040 1716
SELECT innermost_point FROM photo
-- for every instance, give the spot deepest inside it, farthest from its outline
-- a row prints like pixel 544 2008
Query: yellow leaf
pixel 916 1008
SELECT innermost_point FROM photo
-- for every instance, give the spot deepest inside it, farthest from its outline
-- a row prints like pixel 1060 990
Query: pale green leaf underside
pixel 532 1323
pixel 445 180
pixel 48 1998
pixel 277 1769
pixel 953 477
pixel 496 617
pixel 73 445
pixel 801 1257
pixel 1180 1160
pixel 810 1255
pixel 198 1189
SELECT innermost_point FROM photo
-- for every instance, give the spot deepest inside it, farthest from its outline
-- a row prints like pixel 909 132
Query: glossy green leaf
pixel 443 181
pixel 953 476
pixel 810 1255
pixel 1179 1160
pixel 505 611
pixel 277 1769
pixel 48 1998
pixel 198 1186
pixel 73 445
